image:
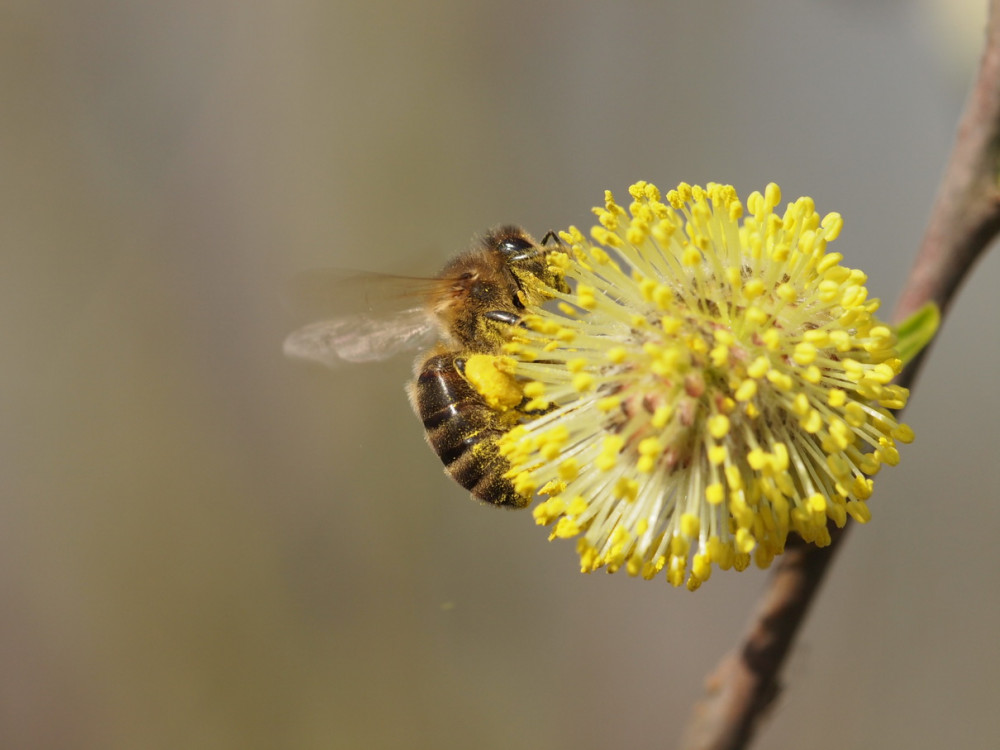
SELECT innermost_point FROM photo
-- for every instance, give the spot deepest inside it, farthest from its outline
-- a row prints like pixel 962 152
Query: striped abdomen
pixel 463 430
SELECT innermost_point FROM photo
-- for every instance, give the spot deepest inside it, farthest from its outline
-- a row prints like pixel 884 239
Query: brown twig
pixel 964 220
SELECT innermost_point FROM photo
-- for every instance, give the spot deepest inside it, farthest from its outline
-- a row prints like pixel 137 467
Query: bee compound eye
pixel 516 248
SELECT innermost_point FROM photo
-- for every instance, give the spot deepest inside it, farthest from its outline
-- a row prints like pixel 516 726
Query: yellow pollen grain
pixel 841 433
pixel 780 456
pixel 870 464
pixel 524 484
pixel 836 398
pixel 805 353
pixel 717 455
pixel 620 535
pixel 746 391
pixel 745 541
pixel 652 349
pixel 862 487
pixel 812 422
pixel 697 344
pixel 600 257
pixel 855 414
pixel 780 253
pixel 859 511
pixel 827 290
pixel 715 493
pixel 548 511
pixel 903 433
pixel 888 453
pixel 853 296
pixel 827 262
pixel 610 447
pixel 670 325
pixel 616 354
pixel 690 525
pixel 772 196
pixel 817 337
pixel 550 451
pixel 838 466
pixel 718 426
pixel 663 296
pixel 882 373
pixel 583 381
pixel 586 297
pixel 701 567
pixel 733 278
pixel 772 339
pixel 841 340
pixel 691 257
pixel 557 435
pixel 650 446
pixel 780 380
pixel 724 337
pixel 534 389
pixel 832 223
pixel 647 286
pixel 577 506
pixel 608 404
pixel 881 332
pixel 800 405
pixel 786 292
pixel 627 489
pixel 753 289
pixel 552 487
pixel 566 528
pixel 569 469
pixel 636 235
pixel 719 355
pixel 661 416
pixel 756 315
pixel 759 367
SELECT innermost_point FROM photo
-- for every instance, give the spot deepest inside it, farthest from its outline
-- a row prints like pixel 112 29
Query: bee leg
pixel 502 316
pixel 463 430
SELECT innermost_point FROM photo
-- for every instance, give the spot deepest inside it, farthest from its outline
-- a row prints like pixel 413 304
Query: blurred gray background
pixel 204 545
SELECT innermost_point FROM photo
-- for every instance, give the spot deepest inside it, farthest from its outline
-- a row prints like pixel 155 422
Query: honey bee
pixel 470 308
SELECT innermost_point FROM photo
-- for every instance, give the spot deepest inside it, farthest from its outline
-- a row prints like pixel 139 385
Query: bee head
pixel 527 262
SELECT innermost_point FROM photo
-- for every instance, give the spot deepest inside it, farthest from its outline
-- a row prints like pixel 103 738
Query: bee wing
pixel 361 338
pixel 334 293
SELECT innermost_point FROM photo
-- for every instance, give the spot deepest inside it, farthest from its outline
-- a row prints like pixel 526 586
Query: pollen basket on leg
pixel 714 381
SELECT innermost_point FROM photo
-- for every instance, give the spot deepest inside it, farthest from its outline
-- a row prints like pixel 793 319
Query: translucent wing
pixel 331 293
pixel 362 338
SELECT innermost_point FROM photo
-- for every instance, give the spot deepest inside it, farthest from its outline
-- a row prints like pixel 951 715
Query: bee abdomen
pixel 463 430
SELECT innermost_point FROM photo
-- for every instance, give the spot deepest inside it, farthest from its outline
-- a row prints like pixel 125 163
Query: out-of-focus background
pixel 204 545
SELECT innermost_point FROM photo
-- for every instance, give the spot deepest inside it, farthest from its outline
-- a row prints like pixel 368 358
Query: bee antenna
pixel 551 235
